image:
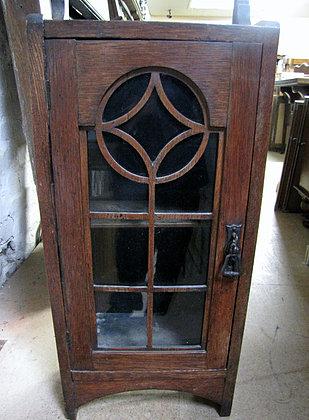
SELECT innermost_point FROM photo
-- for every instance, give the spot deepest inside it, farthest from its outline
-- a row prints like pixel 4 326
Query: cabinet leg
pixel 225 409
pixel 71 414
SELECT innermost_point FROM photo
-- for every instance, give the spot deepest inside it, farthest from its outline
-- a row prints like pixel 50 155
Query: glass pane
pixel 121 319
pixel 193 191
pixel 124 154
pixel 108 190
pixel 153 127
pixel 178 319
pixel 180 95
pixel 126 97
pixel 181 254
pixel 119 253
pixel 180 155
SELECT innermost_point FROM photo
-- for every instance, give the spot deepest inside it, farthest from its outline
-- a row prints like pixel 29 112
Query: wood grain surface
pixel 233 68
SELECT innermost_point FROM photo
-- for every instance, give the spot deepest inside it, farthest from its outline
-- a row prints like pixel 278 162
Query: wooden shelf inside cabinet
pixel 150 166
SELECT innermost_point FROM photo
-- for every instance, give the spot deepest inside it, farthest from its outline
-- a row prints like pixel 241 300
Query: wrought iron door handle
pixel 232 254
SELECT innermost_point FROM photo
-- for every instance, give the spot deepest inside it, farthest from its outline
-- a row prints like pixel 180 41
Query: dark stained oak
pixel 209 387
pixel 235 189
pixel 262 128
pixel 15 14
pixel 229 72
pixel 45 190
pixel 158 30
pixel 65 151
pixel 101 63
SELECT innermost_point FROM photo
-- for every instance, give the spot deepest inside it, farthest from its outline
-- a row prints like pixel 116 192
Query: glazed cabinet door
pixel 151 146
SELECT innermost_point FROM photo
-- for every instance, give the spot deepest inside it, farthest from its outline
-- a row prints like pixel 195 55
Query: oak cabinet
pixel 150 147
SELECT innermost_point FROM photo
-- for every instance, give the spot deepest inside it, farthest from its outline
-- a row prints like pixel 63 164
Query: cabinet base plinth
pixel 90 385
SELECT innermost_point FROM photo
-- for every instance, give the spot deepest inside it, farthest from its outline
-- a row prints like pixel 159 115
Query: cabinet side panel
pixel 65 144
pixel 44 186
pixel 261 141
pixel 235 189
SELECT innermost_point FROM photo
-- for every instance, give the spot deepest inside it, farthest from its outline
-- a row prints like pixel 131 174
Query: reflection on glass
pixel 119 254
pixel 153 126
pixel 108 190
pixel 180 155
pixel 193 191
pixel 181 96
pixel 181 254
pixel 178 319
pixel 126 96
pixel 121 320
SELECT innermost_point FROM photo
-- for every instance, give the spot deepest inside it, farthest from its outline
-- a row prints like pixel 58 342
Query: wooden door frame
pixel 74 255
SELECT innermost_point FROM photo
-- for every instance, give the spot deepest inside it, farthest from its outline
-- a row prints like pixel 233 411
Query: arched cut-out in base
pixel 101 384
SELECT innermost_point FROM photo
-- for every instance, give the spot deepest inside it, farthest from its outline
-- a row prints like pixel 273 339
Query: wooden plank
pixel 65 149
pixel 94 215
pixel 158 360
pixel 183 216
pixel 123 289
pixel 208 387
pixel 101 63
pixel 43 169
pixel 156 30
pixel 235 190
pixel 267 76
pixel 128 289
pixel 96 376
pixel 15 21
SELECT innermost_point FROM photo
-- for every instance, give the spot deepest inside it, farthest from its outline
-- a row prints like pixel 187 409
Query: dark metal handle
pixel 232 253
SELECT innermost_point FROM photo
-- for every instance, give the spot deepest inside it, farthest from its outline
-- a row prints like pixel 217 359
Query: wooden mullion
pixel 213 240
pixel 150 275
pixel 157 215
pixel 177 348
pixel 183 216
pixel 156 289
pixel 118 215
pixel 182 288
pixel 117 222
pixel 87 232
pixel 120 289
pixel 156 349
pixel 104 350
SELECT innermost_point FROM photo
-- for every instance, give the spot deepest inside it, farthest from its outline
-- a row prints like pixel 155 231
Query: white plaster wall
pixel 19 213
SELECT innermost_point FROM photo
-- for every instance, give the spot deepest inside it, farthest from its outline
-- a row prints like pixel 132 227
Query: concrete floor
pixel 273 379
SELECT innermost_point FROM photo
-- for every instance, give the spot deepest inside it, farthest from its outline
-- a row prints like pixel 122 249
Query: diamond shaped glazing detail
pixel 153 126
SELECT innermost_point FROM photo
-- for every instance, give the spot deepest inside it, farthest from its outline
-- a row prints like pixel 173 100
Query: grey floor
pixel 273 379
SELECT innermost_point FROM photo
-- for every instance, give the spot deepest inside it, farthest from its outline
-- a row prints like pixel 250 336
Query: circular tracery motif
pixel 154 125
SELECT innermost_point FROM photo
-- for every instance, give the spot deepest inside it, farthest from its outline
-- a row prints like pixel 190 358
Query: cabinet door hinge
pixel 68 340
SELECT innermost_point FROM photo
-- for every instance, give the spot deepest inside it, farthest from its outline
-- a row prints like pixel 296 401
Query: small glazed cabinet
pixel 150 144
